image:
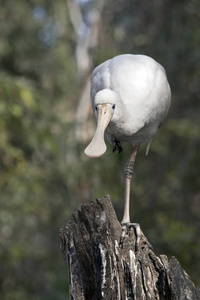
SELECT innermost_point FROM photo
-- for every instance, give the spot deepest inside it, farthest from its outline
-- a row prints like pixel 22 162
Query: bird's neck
pixel 121 119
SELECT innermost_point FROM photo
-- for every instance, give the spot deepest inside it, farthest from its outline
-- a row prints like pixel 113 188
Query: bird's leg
pixel 128 171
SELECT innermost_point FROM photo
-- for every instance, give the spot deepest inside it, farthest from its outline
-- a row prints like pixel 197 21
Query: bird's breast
pixel 136 136
pixel 120 129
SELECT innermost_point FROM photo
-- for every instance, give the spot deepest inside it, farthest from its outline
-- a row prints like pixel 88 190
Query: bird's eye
pixel 95 107
pixel 113 107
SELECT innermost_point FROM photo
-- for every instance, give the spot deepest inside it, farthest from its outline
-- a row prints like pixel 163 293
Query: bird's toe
pixel 125 227
pixel 117 146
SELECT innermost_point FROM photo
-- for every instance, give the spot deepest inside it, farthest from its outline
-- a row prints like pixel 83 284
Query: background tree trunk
pixel 102 268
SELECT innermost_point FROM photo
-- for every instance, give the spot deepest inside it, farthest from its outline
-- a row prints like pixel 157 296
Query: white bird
pixel 130 97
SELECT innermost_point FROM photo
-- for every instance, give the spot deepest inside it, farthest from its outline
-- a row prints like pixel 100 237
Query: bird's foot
pixel 137 229
pixel 117 146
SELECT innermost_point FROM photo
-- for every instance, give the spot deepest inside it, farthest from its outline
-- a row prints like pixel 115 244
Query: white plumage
pixel 130 96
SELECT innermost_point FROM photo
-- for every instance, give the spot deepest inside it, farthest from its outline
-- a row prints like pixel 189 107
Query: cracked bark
pixel 100 268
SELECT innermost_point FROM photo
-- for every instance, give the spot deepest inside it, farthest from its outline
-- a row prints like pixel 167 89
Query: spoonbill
pixel 130 97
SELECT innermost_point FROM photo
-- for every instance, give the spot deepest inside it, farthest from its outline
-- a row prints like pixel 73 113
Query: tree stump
pixel 102 268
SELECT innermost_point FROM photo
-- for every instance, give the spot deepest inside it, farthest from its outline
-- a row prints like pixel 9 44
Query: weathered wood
pixel 100 268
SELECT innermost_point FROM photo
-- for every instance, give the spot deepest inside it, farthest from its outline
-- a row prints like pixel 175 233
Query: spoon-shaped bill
pixel 97 146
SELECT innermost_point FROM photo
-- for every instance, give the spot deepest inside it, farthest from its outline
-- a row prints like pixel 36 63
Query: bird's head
pixel 105 109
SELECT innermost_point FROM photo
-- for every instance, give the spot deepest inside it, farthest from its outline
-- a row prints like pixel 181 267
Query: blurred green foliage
pixel 44 173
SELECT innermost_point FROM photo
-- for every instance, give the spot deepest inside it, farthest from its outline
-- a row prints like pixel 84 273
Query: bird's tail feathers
pixel 148 146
